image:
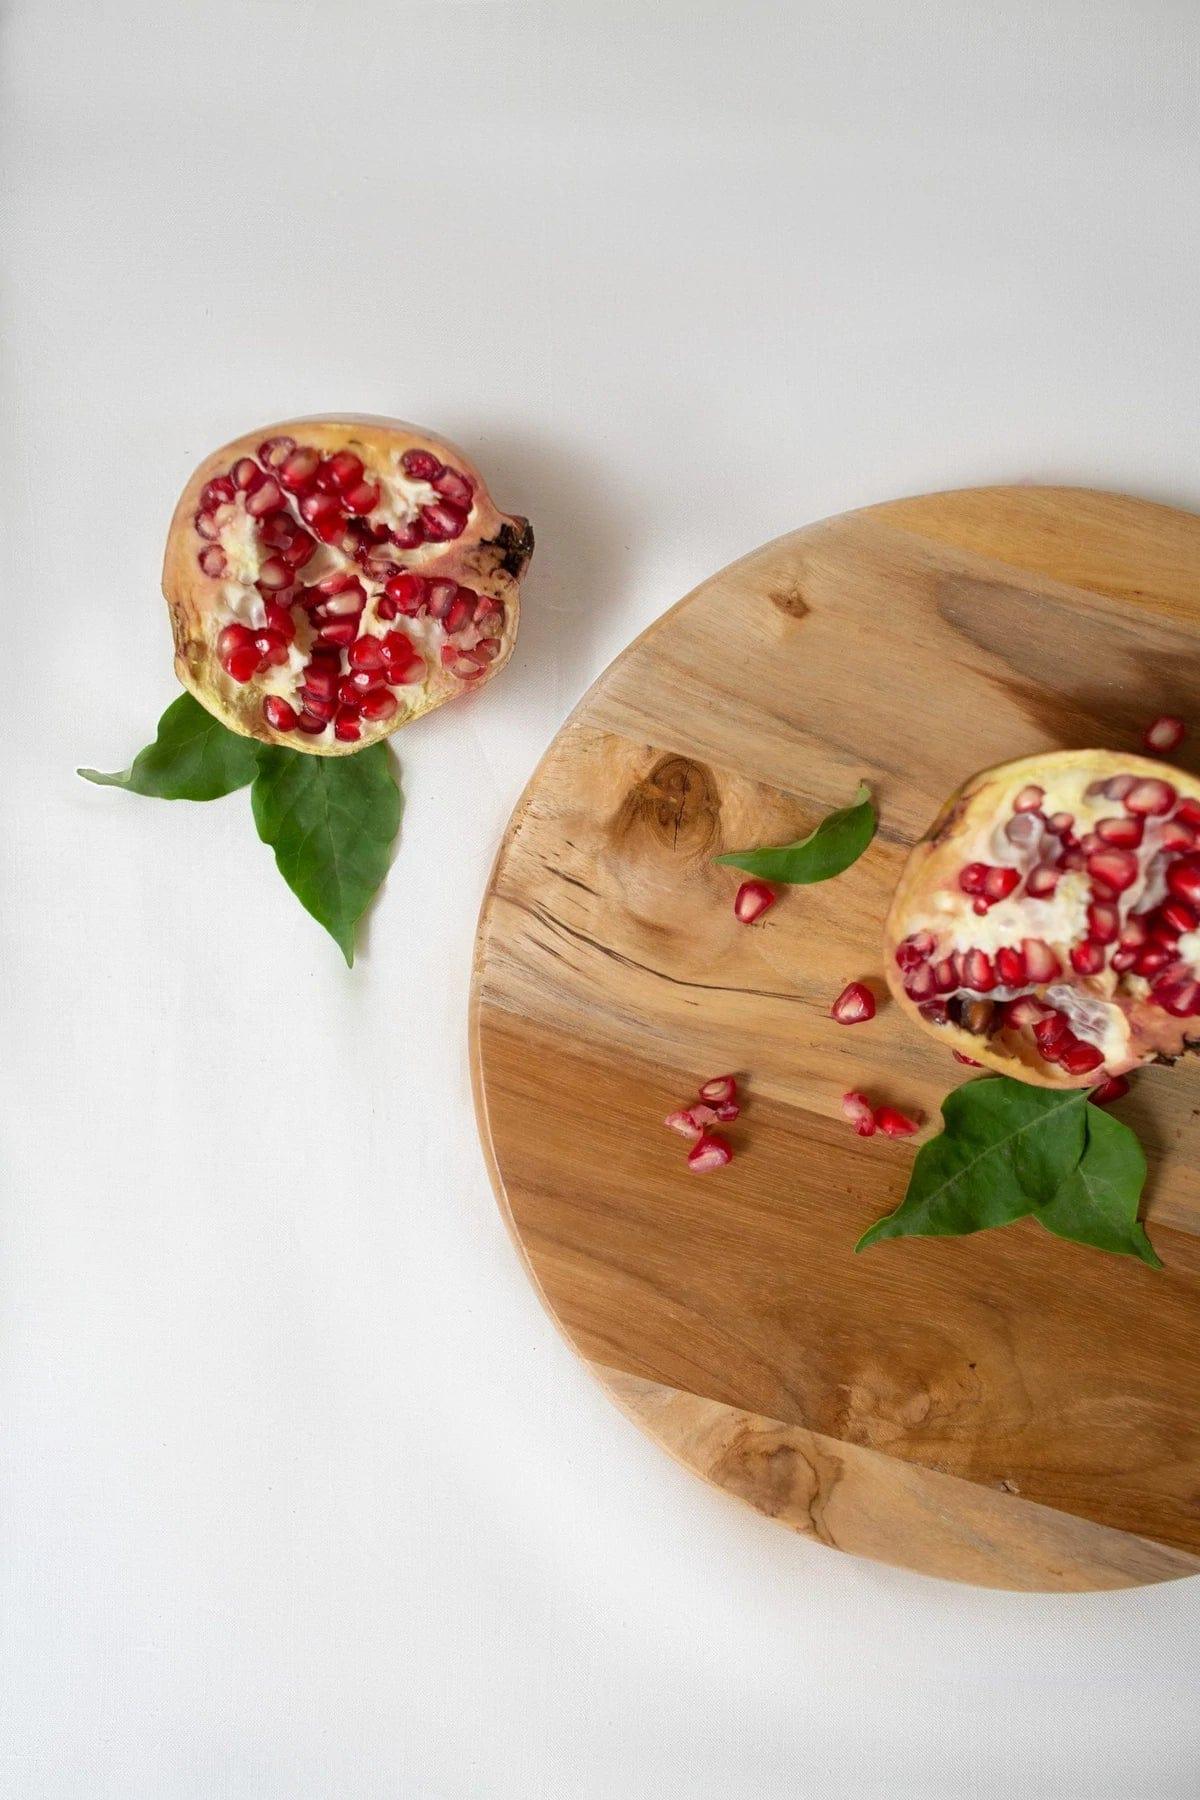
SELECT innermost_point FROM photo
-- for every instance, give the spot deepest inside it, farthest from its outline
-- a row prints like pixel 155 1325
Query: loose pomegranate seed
pixel 728 1111
pixel 246 474
pixel 1183 879
pixel 969 1061
pixel 1081 1059
pixel 978 972
pixel 346 725
pixel 712 1152
pixel 266 498
pixel 1000 882
pixel 857 1108
pixel 212 560
pixel 1117 786
pixel 422 465
pixel 752 900
pixel 1040 961
pixel 443 521
pixel 1164 734
pixel 1010 967
pixel 1114 1088
pixel 972 877
pixel 684 1124
pixel 1060 823
pixel 274 451
pixel 1087 958
pixel 1126 833
pixel 703 1113
pixel 1151 797
pixel 1104 922
pixel 894 1123
pixel 1116 868
pixel 920 985
pixel 363 497
pixel 719 1089
pixel 278 714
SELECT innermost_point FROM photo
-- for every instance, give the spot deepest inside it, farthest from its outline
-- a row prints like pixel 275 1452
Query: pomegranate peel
pixel 1082 960
pixel 327 551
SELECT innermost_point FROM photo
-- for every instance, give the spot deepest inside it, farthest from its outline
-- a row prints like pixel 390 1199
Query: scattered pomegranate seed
pixel 1165 734
pixel 1150 796
pixel 857 1108
pixel 752 900
pixel 894 1123
pixel 854 1005
pixel 712 1152
pixel 727 1111
pixel 683 1122
pixel 720 1088
pixel 1114 1088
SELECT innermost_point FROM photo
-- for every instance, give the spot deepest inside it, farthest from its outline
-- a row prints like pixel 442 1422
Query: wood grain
pixel 1008 1408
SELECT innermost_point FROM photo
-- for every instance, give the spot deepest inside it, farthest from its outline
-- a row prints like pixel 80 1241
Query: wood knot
pixel 789 600
pixel 677 803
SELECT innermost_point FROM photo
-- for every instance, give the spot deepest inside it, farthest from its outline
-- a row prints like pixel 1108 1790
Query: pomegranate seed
pixel 1000 882
pixel 488 649
pixel 1121 961
pixel 422 465
pixel 1029 799
pixel 1164 734
pixel 1087 958
pixel 684 1124
pixel 275 450
pixel 972 877
pixel 341 632
pixel 1025 830
pixel 278 714
pixel 1126 833
pixel 1060 823
pixel 363 497
pixel 443 520
pixel 207 526
pixel 452 485
pixel 406 674
pixel 728 1111
pixel 978 972
pixel 1114 1088
pixel 346 726
pixel 1118 786
pixel 246 474
pixel 1081 1059
pixel 1183 879
pixel 317 704
pixel 218 492
pixel 458 616
pixel 280 619
pixel 212 560
pixel 1040 960
pixel 969 1061
pixel 396 646
pixel 1042 880
pixel 719 1089
pixel 1090 842
pixel 1150 796
pixel 1188 812
pixel 752 900
pixel 441 596
pixel 1025 1010
pixel 857 1108
pixel 915 949
pixel 274 574
pixel 1104 922
pixel 299 550
pixel 272 648
pixel 366 653
pixel 1133 933
pixel 266 498
pixel 1178 916
pixel 408 591
pixel 1051 1033
pixel 1010 966
pixel 1116 868
pixel 920 984
pixel 712 1152
pixel 386 609
pixel 233 638
pixel 409 536
pixel 1153 959
pixel 243 664
pixel 378 706
pixel 345 469
pixel 1177 834
pixel 894 1123
pixel 1180 998
pixel 945 976
pixel 310 724
pixel 320 681
pixel 703 1113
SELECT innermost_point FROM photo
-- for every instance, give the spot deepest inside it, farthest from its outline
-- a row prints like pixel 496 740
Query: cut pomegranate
pixel 857 1108
pixel 712 1152
pixel 338 501
pixel 1164 735
pixel 1047 926
pixel 752 900
pixel 854 1005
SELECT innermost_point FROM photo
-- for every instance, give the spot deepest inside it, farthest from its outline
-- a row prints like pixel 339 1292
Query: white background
pixel 302 1496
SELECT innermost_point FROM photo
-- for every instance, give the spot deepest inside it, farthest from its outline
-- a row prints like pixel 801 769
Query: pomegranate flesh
pixel 330 580
pixel 1048 925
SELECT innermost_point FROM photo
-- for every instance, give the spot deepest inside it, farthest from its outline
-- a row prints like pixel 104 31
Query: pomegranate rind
pixel 934 865
pixel 490 557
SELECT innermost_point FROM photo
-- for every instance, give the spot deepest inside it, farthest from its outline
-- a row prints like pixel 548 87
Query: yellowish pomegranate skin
pixel 490 557
pixel 933 867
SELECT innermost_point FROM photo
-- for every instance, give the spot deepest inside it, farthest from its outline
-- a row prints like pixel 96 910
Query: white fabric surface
pixel 302 1496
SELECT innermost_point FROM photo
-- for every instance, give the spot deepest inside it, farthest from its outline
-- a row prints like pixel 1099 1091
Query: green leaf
pixel 194 757
pixel 1006 1149
pixel 1097 1203
pixel 330 821
pixel 837 842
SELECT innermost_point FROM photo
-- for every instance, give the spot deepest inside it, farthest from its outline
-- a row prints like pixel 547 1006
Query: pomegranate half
pixel 1048 925
pixel 330 580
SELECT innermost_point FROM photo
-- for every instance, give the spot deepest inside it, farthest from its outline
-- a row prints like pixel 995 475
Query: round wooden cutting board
pixel 1008 1408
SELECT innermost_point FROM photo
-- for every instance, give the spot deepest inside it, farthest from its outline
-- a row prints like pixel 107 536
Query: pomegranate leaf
pixel 193 757
pixel 837 841
pixel 1006 1150
pixel 1097 1203
pixel 330 821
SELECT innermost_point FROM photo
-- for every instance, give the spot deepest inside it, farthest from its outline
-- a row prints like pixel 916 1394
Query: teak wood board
pixel 1007 1408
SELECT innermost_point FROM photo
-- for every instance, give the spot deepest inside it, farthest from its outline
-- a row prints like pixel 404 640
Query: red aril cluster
pixel 716 1104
